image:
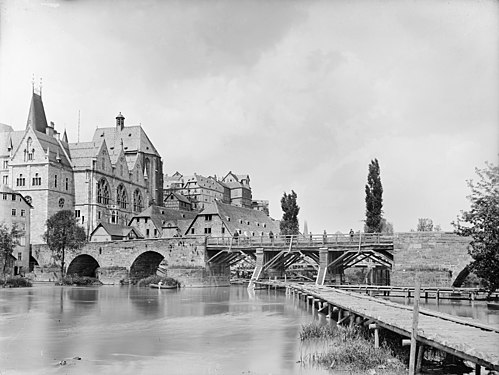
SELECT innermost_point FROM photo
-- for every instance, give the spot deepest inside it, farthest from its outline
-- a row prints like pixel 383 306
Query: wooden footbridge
pixel 324 252
pixel 461 337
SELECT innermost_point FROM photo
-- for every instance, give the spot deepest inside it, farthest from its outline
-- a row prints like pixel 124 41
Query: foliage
pixel 289 222
pixel 79 280
pixel 155 279
pixel 17 282
pixel 350 349
pixel 374 199
pixel 9 239
pixel 386 227
pixel 481 223
pixel 63 234
pixel 425 225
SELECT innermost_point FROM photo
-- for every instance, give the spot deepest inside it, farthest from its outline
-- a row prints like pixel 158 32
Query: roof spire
pixel 41 87
pixel 33 83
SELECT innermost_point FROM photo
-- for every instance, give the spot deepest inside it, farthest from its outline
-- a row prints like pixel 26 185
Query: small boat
pixel 162 286
pixel 493 306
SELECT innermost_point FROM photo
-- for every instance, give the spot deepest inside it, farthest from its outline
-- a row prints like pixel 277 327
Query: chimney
pixel 120 121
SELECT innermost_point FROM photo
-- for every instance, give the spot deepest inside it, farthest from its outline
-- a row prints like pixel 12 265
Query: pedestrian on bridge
pixel 351 235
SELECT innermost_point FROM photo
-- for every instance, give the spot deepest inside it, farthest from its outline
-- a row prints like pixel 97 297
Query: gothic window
pixel 29 148
pixel 61 202
pixel 103 191
pixel 37 180
pixel 28 199
pixel 55 180
pixel 122 196
pixel 67 183
pixel 21 181
pixel 137 201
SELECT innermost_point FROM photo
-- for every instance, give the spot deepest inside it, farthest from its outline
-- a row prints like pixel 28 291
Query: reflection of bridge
pixel 328 254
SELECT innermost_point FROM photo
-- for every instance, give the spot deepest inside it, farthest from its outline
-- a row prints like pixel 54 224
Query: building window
pixel 137 201
pixel 103 191
pixel 113 217
pixel 147 232
pixel 155 232
pixel 5 164
pixel 77 213
pixel 4 196
pixel 207 230
pixel 223 230
pixel 55 181
pixel 98 215
pixel 19 256
pixel 61 202
pixel 21 181
pixel 23 212
pixel 5 180
pixel 37 180
pixel 82 219
pixel 14 212
pixel 28 199
pixel 13 197
pixel 122 196
pixel 67 183
pixel 208 217
pixel 192 230
pixel 145 220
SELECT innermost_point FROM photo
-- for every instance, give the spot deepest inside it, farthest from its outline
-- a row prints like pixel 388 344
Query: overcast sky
pixel 298 94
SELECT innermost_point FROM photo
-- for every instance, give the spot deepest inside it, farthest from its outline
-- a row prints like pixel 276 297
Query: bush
pixel 16 282
pixel 155 279
pixel 79 280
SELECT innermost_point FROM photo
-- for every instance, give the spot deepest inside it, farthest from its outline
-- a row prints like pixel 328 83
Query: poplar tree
pixel 374 199
pixel 63 233
pixel 289 222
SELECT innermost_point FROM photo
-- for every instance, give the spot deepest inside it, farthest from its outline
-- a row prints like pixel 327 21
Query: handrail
pixel 358 239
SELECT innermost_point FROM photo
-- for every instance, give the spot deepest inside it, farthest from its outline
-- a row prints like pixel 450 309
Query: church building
pixel 106 180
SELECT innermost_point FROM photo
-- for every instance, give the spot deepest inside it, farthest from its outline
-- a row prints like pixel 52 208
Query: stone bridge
pixel 439 258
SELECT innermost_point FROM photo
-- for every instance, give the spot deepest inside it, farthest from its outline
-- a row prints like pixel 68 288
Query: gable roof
pixel 6 189
pixel 117 230
pixel 158 214
pixel 134 139
pixel 178 196
pixel 252 220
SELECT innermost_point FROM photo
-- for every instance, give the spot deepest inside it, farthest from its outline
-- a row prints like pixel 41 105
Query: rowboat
pixel 161 286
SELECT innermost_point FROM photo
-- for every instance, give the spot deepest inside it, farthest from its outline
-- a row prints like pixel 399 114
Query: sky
pixel 300 95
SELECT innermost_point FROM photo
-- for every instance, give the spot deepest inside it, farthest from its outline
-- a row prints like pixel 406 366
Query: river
pixel 131 330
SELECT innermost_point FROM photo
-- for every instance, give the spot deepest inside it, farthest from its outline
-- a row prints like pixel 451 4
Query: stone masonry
pixel 438 257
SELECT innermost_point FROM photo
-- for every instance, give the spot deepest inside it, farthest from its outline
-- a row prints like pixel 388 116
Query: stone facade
pixel 437 257
pixel 107 180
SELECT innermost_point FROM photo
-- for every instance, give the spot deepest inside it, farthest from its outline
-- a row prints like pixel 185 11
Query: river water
pixel 131 330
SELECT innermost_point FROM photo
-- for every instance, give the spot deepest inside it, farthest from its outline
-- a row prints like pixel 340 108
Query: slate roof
pixel 158 214
pixel 134 139
pixel 180 197
pixel 252 220
pixel 82 153
pixel 55 148
pixel 36 115
pixel 6 189
pixel 117 230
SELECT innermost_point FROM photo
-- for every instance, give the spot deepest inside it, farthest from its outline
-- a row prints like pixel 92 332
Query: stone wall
pixel 438 257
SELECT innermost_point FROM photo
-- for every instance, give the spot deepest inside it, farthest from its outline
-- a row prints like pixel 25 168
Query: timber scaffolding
pixel 464 338
pixel 324 252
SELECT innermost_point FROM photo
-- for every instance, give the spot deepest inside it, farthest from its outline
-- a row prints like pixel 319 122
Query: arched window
pixel 137 201
pixel 121 196
pixel 103 191
pixel 29 148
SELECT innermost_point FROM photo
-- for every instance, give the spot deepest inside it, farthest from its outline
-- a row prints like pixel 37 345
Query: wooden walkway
pixel 461 337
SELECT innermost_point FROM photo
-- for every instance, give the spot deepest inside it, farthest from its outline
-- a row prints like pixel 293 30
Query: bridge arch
pixel 460 277
pixel 146 264
pixel 83 265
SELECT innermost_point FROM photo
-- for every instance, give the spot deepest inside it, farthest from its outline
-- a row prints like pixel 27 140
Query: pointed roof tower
pixel 36 116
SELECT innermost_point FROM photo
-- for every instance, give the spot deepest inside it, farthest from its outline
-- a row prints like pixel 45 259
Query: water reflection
pixel 130 330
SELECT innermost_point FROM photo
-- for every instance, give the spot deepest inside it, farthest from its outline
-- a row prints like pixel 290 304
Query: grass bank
pixel 348 349
pixel 155 279
pixel 79 281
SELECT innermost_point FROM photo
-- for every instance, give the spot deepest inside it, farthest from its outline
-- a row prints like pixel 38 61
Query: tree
pixel 481 223
pixel 374 199
pixel 63 234
pixel 9 239
pixel 289 222
pixel 425 225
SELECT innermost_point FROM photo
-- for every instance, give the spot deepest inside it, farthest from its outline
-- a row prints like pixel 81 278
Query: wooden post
pixel 478 369
pixel 414 334
pixel 376 334
pixel 420 358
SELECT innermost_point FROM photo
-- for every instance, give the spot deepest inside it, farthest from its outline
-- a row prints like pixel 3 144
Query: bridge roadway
pixel 461 337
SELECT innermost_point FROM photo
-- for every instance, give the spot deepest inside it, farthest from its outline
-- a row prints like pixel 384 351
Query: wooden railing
pixel 357 239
